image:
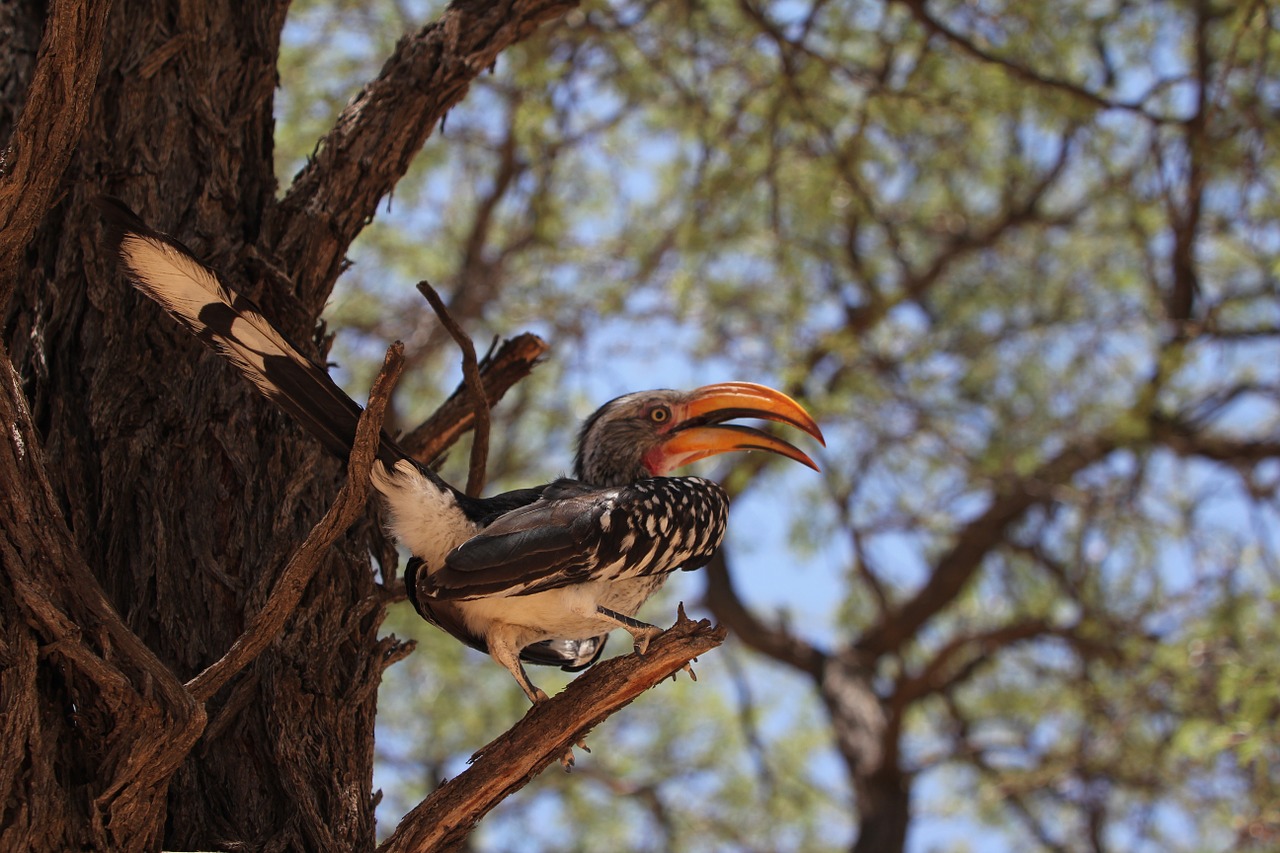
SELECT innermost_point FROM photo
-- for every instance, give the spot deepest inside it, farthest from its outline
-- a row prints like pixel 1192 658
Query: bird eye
pixel 660 414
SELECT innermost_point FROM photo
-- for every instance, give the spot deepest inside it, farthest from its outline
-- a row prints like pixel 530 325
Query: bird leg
pixel 641 632
pixel 509 657
pixel 505 654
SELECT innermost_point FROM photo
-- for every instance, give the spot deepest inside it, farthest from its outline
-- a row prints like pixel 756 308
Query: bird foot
pixel 566 760
pixel 645 636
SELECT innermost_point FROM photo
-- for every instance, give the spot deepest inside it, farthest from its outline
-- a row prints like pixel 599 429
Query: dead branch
pixel 475 388
pixel 513 361
pixel 545 734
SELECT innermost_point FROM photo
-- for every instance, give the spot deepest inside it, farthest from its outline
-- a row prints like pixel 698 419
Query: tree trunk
pixel 139 465
pixel 184 491
pixel 866 732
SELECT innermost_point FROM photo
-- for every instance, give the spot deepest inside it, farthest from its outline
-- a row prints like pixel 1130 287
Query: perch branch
pixel 546 733
pixel 269 621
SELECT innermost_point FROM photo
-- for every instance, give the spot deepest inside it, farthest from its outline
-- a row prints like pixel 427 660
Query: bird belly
pixel 568 611
pixel 626 595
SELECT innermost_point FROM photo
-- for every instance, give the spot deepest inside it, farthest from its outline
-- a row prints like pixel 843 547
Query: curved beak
pixel 698 429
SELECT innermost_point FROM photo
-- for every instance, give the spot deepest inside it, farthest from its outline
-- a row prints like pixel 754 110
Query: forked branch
pixel 513 361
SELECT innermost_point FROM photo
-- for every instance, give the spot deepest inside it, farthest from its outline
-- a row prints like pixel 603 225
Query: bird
pixel 539 575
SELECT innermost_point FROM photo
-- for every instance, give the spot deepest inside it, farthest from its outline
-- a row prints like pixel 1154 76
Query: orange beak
pixel 698 429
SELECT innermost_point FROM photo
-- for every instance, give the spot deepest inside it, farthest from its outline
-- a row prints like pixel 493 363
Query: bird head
pixel 650 433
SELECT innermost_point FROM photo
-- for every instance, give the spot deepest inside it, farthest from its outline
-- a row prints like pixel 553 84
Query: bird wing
pixel 577 533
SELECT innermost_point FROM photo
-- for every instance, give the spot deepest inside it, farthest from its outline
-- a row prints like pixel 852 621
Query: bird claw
pixel 688 667
pixel 643 638
pixel 566 760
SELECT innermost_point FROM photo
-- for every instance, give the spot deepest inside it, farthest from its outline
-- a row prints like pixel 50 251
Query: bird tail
pixel 234 327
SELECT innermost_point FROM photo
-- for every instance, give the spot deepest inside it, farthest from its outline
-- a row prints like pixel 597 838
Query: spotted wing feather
pixel 576 533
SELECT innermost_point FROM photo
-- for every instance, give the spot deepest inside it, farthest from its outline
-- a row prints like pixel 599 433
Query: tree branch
pixel 269 621
pixel 1186 440
pixel 546 733
pixel 513 361
pixel 376 137
pixel 947 667
pixel 954 569
pixel 774 641
pixel 47 131
pixel 475 389
pixel 1020 72
pixel 1185 213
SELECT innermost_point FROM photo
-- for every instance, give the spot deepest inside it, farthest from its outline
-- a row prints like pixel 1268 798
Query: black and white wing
pixel 577 533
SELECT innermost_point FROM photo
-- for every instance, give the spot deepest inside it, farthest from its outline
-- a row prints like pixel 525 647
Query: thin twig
pixel 287 592
pixel 501 370
pixel 471 376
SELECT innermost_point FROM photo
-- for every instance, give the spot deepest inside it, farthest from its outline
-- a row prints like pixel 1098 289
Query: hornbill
pixel 542 574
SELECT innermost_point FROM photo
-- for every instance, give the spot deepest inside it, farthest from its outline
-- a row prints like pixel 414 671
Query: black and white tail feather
pixel 231 325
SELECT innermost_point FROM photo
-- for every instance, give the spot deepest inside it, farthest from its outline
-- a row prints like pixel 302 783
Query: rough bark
pixel 143 478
